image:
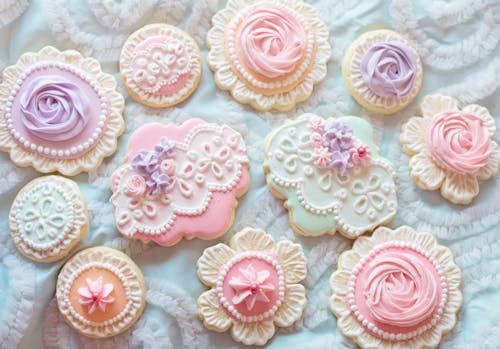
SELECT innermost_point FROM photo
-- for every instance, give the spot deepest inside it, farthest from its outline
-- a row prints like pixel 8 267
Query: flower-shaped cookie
pixel 382 71
pixel 331 174
pixel 180 181
pixel 451 148
pixel 268 53
pixel 396 289
pixel 255 286
pixel 59 112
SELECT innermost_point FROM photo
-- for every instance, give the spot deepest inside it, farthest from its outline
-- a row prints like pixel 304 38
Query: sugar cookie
pixel 268 53
pixel 47 218
pixel 382 71
pixel 180 181
pixel 160 65
pixel 59 112
pixel 100 292
pixel 396 289
pixel 255 286
pixel 451 148
pixel 331 175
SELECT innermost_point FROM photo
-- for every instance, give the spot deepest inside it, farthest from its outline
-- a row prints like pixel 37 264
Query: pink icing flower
pixel 316 125
pixel 135 185
pixel 360 154
pixel 322 157
pixel 251 286
pixel 271 41
pixel 168 167
pixel 317 140
pixel 96 295
pixel 459 141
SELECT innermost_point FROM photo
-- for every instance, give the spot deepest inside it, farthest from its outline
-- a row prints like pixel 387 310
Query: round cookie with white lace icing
pixel 160 65
pixel 382 71
pixel 255 286
pixel 59 112
pixel 180 181
pixel 331 175
pixel 48 218
pixel 270 53
pixel 396 289
pixel 100 292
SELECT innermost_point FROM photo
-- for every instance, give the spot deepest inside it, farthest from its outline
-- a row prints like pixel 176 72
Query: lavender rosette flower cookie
pixel 59 112
pixel 382 71
pixel 331 175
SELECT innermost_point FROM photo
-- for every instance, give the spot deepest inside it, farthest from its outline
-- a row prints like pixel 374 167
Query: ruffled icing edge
pixel 351 67
pixel 348 260
pixel 227 79
pixel 63 245
pixel 127 54
pixel 294 264
pixel 121 265
pixel 107 143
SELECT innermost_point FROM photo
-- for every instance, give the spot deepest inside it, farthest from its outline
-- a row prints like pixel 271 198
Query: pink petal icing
pixel 96 295
pixel 458 141
pixel 271 41
pixel 251 286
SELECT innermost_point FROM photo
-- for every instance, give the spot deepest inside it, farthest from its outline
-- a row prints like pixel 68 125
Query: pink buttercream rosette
pixel 396 289
pixel 254 286
pixel 451 148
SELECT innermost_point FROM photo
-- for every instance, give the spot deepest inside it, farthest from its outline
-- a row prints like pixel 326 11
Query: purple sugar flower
pixel 337 136
pixel 148 163
pixel 341 161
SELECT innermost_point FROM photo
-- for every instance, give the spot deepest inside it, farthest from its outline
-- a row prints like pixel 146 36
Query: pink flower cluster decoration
pixel 335 148
pixel 251 286
pixel 96 295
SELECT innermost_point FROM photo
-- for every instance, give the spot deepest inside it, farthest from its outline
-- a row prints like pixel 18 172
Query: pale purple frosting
pixel 54 109
pixel 148 164
pixel 389 69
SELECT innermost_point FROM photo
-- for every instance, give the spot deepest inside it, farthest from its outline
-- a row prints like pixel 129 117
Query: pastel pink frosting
pixel 271 41
pixel 96 295
pixel 458 141
pixel 398 289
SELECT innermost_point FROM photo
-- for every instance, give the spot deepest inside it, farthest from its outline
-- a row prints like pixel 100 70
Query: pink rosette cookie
pixel 382 71
pixel 254 286
pixel 59 112
pixel 396 289
pixel 268 53
pixel 160 65
pixel 100 292
pixel 451 148
pixel 180 181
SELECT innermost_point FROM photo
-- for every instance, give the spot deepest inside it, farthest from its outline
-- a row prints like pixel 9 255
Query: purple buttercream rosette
pixel 148 163
pixel 389 69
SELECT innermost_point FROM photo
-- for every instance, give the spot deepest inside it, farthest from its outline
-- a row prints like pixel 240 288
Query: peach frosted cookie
pixel 268 53
pixel 59 112
pixel 254 286
pixel 451 148
pixel 180 181
pixel 382 71
pixel 160 65
pixel 100 292
pixel 396 289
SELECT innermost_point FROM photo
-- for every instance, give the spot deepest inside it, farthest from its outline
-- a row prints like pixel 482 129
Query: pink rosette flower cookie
pixel 451 148
pixel 268 53
pixel 160 65
pixel 396 289
pixel 59 112
pixel 180 181
pixel 254 286
pixel 382 71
